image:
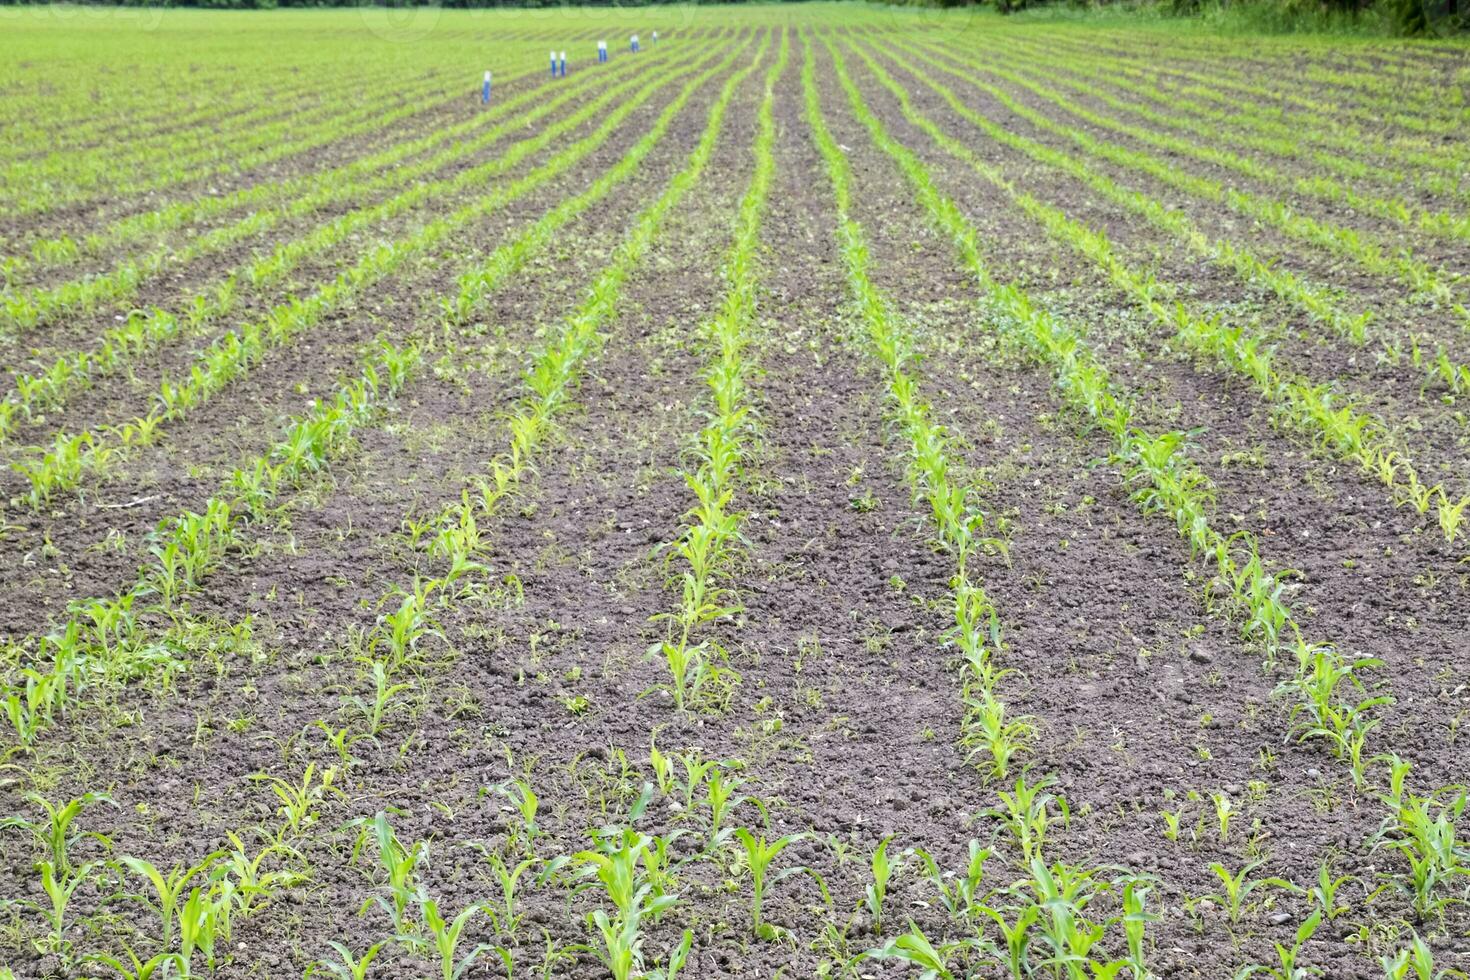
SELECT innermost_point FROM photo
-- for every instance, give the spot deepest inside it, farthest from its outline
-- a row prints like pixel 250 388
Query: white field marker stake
pixel 655 37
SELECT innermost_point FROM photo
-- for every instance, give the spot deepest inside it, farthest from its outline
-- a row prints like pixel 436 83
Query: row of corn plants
pixel 341 182
pixel 709 543
pixel 394 644
pixel 393 651
pixel 352 176
pixel 394 647
pixel 1052 914
pixel 1309 103
pixel 62 464
pixel 1402 87
pixel 1358 437
pixel 1437 362
pixel 86 129
pixel 629 879
pixel 1326 692
pixel 99 180
pixel 454 536
pixel 1318 302
pixel 1203 145
pixel 104 642
pixel 82 168
pixel 142 331
pixel 1290 141
pixel 170 105
pixel 1315 123
pixel 1431 357
pixel 28 308
pixel 1363 248
pixel 189 909
pixel 394 654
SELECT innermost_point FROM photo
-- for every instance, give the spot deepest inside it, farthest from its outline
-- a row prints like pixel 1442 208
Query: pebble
pixel 1279 918
pixel 1200 655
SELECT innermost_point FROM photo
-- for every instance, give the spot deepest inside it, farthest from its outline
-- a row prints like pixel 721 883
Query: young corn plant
pixel 400 863
pixel 915 948
pixel 1062 894
pixel 299 801
pixel 876 890
pixel 347 966
pixel 1319 711
pixel 759 854
pixel 1029 812
pixel 961 895
pixel 1325 894
pixel 506 912
pixel 374 712
pixel 53 833
pixel 59 890
pixel 525 804
pixel 1424 831
pixel 1416 962
pixel 1237 888
pixel 444 935
pixel 1289 965
pixel 134 967
pixel 617 864
pixel 169 889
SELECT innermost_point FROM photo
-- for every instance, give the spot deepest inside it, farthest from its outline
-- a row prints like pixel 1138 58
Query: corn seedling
pixel 915 948
pixel 721 796
pixel 1063 892
pixel 525 804
pixel 299 801
pixel 876 890
pixel 960 894
pixel 347 966
pixel 444 936
pixel 251 885
pixel 1237 888
pixel 1416 962
pixel 506 913
pixel 59 890
pixel 1028 812
pixel 1135 920
pixel 759 853
pixel 375 712
pixel 1288 958
pixel 54 832
pixel 168 889
pixel 1325 892
pixel 135 968
pixel 1424 831
pixel 400 863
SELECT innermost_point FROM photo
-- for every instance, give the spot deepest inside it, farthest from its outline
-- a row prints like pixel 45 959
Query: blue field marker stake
pixel 602 52
pixel 633 44
pixel 553 64
pixel 563 59
pixel 485 90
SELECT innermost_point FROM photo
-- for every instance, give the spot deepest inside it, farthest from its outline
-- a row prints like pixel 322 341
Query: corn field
pixel 827 491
